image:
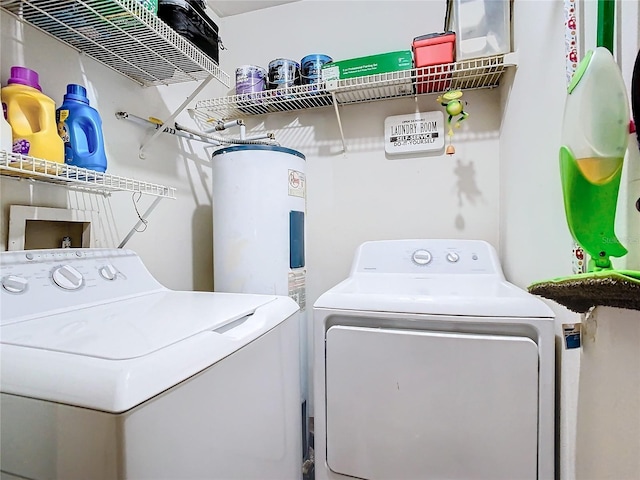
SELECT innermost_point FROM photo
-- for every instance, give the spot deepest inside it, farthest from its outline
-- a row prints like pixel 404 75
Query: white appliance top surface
pixel 437 276
pixel 133 327
pixel 93 328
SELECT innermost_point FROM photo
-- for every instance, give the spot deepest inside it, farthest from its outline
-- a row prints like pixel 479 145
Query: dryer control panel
pixel 432 256
pixel 35 282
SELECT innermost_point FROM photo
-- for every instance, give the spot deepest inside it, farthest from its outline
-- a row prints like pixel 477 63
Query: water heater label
pixel 298 287
pixel 297 184
pixel 416 132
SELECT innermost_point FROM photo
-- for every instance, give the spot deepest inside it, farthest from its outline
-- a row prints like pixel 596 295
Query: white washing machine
pixel 430 365
pixel 107 374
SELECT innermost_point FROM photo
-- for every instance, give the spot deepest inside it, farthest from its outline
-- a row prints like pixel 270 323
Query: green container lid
pixel 151 5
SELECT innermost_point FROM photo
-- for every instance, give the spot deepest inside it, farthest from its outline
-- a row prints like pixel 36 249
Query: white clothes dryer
pixel 107 374
pixel 430 365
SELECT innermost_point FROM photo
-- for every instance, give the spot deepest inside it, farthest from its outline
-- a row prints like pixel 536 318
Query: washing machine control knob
pixel 108 272
pixel 421 257
pixel 14 284
pixel 453 257
pixel 67 277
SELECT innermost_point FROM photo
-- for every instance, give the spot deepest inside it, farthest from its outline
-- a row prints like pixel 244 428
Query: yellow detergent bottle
pixel 6 136
pixel 32 116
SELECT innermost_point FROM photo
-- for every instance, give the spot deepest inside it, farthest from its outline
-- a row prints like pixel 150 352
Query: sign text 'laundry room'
pixel 416 132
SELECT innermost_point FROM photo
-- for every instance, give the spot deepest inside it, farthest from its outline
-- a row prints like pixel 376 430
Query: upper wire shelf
pixel 465 75
pixel 121 34
pixel 25 167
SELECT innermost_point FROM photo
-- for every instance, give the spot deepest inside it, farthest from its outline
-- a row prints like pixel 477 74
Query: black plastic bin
pixel 189 19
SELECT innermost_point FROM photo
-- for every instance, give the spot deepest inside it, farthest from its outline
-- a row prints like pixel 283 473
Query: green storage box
pixel 371 65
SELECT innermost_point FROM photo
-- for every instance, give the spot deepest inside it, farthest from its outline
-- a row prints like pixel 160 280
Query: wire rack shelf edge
pixel 471 74
pixel 23 167
pixel 122 35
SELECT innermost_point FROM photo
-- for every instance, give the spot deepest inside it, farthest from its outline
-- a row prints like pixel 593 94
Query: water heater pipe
pixel 220 125
pixel 258 140
pixel 172 131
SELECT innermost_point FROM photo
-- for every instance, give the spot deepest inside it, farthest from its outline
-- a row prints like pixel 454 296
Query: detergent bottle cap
pixel 24 76
pixel 76 92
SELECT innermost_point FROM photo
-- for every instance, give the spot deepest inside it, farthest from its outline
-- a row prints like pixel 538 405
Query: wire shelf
pixel 25 167
pixel 466 75
pixel 268 101
pixel 122 35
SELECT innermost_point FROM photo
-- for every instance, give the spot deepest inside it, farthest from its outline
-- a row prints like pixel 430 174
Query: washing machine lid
pixel 131 328
pixel 465 295
pixel 114 356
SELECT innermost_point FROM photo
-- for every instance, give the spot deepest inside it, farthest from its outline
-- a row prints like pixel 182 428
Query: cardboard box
pixel 371 65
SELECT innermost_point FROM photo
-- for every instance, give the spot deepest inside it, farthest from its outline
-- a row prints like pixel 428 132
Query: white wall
pixel 608 399
pixel 357 196
pixel 608 413
pixel 176 246
pixel 535 241
pixel 502 185
pixel 536 244
pixel 362 194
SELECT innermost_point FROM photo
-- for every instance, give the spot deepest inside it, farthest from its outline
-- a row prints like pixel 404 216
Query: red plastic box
pixel 429 51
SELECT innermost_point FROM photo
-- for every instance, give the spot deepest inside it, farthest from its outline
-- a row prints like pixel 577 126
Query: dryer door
pixel 408 404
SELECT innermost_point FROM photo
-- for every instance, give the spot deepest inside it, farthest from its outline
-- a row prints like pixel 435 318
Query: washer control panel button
pixel 14 284
pixel 67 277
pixel 421 257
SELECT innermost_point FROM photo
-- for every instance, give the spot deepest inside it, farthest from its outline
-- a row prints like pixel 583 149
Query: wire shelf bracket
pixel 23 167
pixel 169 121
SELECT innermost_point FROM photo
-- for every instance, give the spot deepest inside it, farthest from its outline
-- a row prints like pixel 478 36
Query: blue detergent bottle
pixel 80 127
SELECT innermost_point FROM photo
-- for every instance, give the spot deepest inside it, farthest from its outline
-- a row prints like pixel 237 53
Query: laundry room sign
pixel 415 132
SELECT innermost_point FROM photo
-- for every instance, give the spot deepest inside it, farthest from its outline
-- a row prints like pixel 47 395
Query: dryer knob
pixel 453 257
pixel 421 257
pixel 67 277
pixel 14 284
